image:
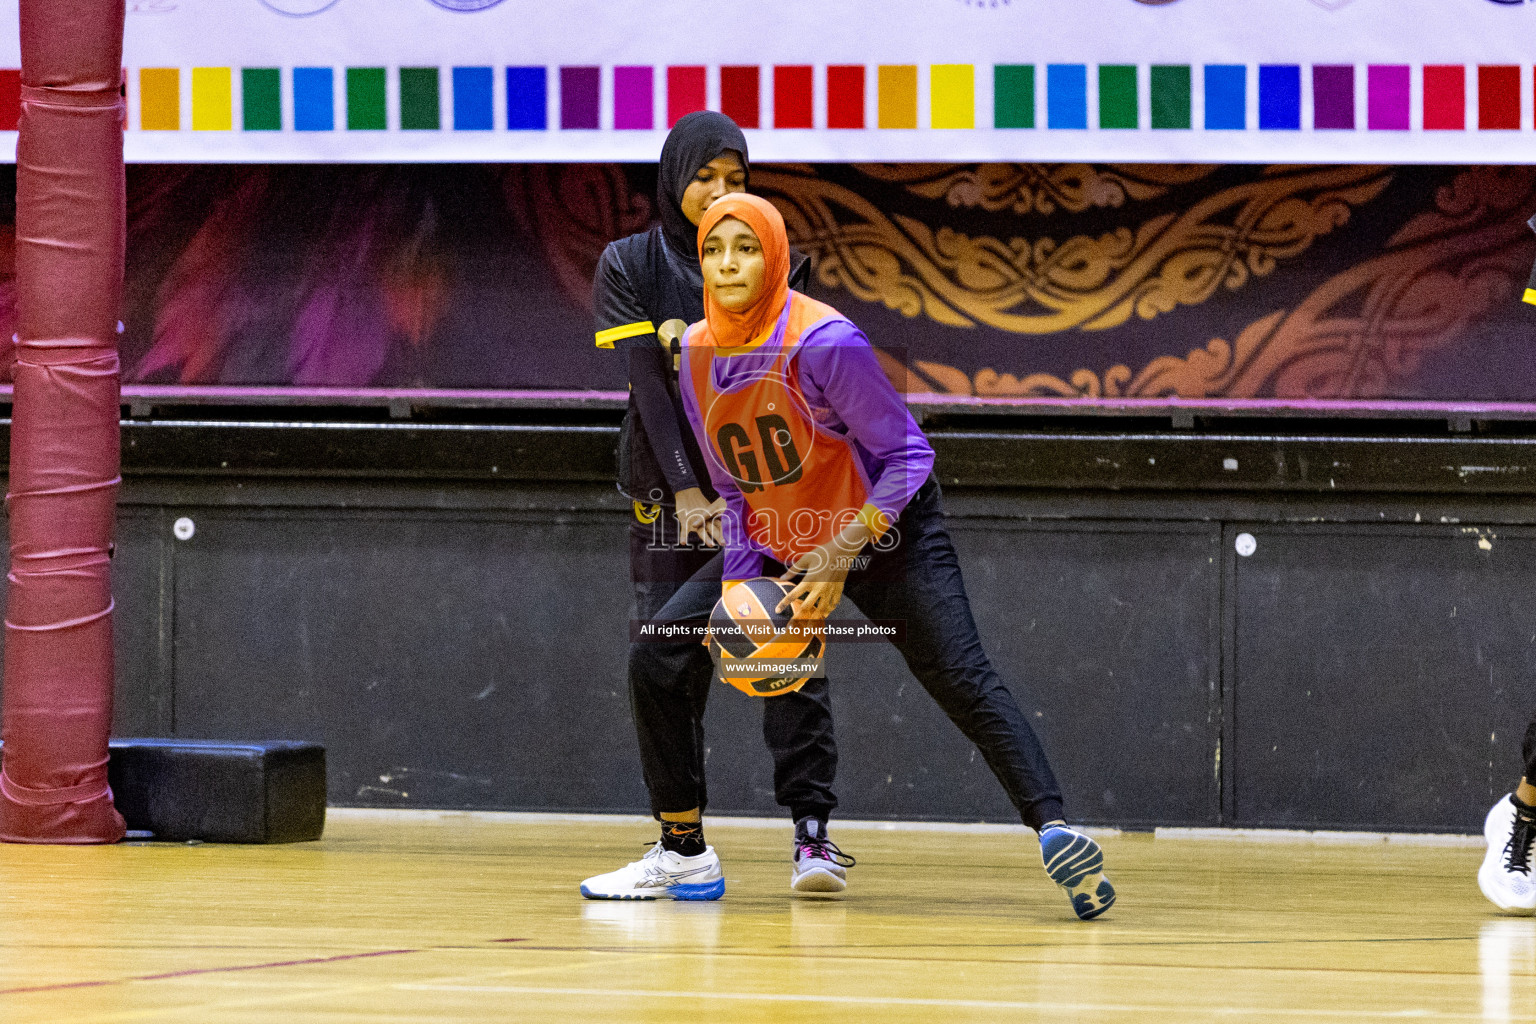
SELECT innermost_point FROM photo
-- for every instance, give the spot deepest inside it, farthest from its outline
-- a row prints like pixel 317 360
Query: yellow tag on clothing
pixel 605 339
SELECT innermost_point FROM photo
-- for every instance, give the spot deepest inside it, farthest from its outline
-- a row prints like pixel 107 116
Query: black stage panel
pixel 456 637
pixel 1382 676
pixel 472 662
pixel 443 660
pixel 1107 635
pixel 142 622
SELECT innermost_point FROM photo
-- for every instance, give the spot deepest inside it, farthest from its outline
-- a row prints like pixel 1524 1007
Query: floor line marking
pixel 192 971
pixel 1096 946
pixel 969 1004
pixel 334 989
pixel 1320 837
pixel 829 954
pixel 787 953
pixel 784 825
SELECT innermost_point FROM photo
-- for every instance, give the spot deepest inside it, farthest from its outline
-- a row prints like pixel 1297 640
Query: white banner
pixel 1390 81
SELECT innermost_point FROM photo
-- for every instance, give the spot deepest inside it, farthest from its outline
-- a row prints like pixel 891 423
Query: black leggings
pixel 797 727
pixel 1529 750
pixel 917 583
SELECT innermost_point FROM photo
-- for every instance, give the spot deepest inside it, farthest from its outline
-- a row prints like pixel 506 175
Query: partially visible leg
pixel 919 583
pixel 667 694
pixel 798 730
pixel 1510 829
pixel 668 688
pixel 659 565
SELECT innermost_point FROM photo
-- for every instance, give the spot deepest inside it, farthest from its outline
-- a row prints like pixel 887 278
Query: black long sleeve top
pixel 640 284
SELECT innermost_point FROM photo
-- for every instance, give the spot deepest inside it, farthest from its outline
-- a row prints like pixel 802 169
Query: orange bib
pixel 802 482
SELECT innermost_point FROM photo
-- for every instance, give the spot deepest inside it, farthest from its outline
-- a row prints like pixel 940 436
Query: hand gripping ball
pixel 744 626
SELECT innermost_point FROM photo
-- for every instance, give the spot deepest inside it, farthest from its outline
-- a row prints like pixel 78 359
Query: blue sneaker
pixel 661 875
pixel 1076 863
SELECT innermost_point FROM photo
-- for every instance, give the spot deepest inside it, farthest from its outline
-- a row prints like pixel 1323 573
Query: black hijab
pixel 694 141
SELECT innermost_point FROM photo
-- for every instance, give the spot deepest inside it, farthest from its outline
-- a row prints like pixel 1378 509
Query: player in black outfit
pixel 1507 877
pixel 643 282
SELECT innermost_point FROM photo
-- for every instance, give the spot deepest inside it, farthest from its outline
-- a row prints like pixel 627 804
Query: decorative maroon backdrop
pixel 1004 280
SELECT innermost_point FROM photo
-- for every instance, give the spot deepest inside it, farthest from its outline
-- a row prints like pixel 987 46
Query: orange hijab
pixel 725 328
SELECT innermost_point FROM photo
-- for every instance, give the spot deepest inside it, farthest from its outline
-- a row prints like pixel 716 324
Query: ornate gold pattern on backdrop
pixel 1232 281
pixel 1361 334
pixel 1037 188
pixel 1372 325
pixel 1044 286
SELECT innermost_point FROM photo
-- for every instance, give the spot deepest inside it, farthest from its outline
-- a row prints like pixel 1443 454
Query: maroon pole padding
pixel 64 436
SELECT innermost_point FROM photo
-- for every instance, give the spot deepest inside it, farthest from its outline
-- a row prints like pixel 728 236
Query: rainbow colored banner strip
pixel 1289 81
pixel 1288 112
pixel 304 99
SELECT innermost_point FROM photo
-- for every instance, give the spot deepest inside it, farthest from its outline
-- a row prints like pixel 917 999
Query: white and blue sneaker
pixel 661 875
pixel 1505 876
pixel 1076 863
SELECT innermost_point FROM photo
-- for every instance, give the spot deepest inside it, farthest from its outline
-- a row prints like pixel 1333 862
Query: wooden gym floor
pixel 405 917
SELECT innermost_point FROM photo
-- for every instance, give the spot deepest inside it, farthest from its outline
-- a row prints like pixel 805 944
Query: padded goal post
pixel 65 457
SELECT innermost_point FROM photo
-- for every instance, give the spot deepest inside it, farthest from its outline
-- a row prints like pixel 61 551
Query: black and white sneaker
pixel 820 867
pixel 1505 876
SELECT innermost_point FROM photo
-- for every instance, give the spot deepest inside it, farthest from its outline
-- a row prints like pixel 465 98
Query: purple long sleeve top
pixel 847 392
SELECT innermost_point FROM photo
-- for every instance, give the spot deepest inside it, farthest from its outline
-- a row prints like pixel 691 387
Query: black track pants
pixel 796 727
pixel 917 582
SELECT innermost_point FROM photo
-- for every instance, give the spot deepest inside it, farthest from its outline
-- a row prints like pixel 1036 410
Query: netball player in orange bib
pixel 820 463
